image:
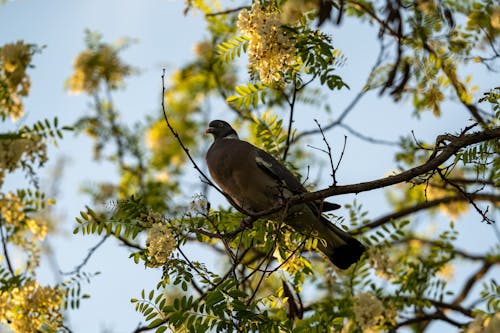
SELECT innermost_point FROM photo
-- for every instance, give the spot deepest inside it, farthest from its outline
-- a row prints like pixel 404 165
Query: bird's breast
pixel 236 172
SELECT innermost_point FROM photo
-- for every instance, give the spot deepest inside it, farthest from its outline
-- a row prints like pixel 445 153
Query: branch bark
pixel 423 206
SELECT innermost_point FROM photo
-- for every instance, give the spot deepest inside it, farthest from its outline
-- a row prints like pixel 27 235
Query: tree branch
pixel 290 119
pixel 423 206
pixel 481 272
pixel 91 251
pixel 5 251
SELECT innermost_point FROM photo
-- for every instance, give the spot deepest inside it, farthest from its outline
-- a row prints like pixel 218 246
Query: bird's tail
pixel 342 249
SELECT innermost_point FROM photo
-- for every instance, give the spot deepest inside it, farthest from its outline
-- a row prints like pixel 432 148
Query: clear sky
pixel 165 40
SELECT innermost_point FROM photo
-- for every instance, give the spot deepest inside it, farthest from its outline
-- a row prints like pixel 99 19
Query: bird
pixel 255 181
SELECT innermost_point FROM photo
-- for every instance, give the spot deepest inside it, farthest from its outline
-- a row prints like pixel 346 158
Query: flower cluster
pixel 28 148
pixel 371 313
pixel 379 259
pixel 484 324
pixel 13 212
pixel 271 48
pixel 14 83
pixel 95 66
pixel 161 243
pixel 32 308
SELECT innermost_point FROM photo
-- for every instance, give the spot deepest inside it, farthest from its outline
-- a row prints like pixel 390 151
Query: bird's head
pixel 221 129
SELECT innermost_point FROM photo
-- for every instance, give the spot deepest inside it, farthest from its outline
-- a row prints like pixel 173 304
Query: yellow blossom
pixel 14 60
pixel 32 308
pixel 380 260
pixel 495 18
pixel 484 324
pixel 12 210
pixel 95 66
pixel 11 151
pixel 203 48
pixel 271 49
pixel 162 176
pixel 451 209
pixel 371 313
pixel 446 272
pixel 160 243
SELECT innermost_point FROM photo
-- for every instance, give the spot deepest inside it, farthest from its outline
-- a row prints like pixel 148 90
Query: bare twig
pixel 227 11
pixel 466 195
pixel 291 103
pixel 5 251
pixel 91 251
pixel 462 253
pixel 329 152
pixel 366 138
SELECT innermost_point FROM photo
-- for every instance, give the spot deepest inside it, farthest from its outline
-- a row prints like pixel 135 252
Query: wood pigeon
pixel 256 181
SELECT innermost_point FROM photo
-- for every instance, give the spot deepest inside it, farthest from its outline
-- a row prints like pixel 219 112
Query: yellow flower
pixel 202 49
pixel 380 260
pixel 32 308
pixel 484 324
pixel 370 312
pixel 14 60
pixel 12 210
pixel 271 48
pixel 95 66
pixel 160 243
pixel 446 272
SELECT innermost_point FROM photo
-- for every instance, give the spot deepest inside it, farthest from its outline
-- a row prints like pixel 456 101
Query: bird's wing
pixel 278 172
pixel 287 179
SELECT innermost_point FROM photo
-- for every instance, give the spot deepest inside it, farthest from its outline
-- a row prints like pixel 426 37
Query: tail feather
pixel 342 249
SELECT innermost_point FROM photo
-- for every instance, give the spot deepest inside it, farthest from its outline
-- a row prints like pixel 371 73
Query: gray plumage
pixel 256 181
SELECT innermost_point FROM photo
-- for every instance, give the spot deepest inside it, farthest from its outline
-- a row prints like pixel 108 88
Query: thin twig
pixel 366 138
pixel 227 11
pixel 87 257
pixel 329 152
pixel 290 120
pixel 5 251
pixel 466 195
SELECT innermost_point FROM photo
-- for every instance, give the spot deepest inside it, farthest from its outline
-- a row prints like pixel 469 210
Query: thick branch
pixel 472 281
pixel 423 206
pixel 426 318
pixel 459 252
pixel 436 159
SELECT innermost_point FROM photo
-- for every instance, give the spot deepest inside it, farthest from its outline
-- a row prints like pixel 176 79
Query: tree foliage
pixel 270 278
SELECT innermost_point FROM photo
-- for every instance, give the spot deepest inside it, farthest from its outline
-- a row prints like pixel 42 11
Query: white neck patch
pixel 231 136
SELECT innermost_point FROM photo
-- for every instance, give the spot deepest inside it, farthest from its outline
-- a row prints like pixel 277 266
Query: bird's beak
pixel 209 130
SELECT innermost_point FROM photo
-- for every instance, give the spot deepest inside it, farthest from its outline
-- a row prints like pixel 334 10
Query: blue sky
pixel 165 40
